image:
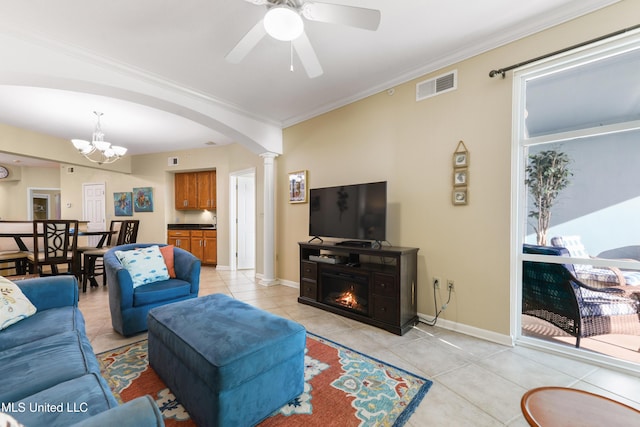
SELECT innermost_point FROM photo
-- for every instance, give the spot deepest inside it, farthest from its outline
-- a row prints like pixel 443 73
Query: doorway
pixel 242 213
pixel 40 206
pixel 43 203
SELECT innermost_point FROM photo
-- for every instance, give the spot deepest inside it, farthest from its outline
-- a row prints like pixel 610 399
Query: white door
pixel 246 221
pixel 93 209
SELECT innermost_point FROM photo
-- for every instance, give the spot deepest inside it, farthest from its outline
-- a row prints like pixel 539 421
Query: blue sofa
pixel 129 306
pixel 50 375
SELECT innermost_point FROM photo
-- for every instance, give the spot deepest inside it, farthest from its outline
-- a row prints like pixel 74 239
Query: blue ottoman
pixel 228 363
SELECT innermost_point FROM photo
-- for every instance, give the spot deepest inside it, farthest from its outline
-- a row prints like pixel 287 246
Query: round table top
pixel 564 407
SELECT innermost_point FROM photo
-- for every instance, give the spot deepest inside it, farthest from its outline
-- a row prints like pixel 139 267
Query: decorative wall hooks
pixel 460 175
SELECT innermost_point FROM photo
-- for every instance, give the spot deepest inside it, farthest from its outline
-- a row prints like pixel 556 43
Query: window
pixel 584 108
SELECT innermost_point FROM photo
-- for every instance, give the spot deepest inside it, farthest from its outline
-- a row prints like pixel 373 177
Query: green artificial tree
pixel 547 174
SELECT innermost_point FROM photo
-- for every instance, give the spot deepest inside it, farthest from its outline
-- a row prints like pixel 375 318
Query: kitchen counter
pixel 191 226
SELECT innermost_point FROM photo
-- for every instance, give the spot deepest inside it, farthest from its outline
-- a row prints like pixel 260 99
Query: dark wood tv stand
pixel 387 277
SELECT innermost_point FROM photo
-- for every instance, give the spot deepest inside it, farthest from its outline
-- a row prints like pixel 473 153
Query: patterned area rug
pixel 342 388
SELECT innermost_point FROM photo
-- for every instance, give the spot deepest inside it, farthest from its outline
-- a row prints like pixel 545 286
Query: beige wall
pixel 13 192
pixel 410 144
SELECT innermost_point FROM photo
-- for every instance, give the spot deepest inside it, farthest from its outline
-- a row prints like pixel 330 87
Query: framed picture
pixel 460 160
pixel 461 156
pixel 143 199
pixel 298 187
pixel 460 176
pixel 122 204
pixel 460 196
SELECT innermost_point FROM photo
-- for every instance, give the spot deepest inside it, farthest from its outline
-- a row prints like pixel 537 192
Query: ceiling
pixel 184 44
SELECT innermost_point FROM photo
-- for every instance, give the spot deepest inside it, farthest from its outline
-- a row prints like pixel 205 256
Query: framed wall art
pixel 461 156
pixel 143 199
pixel 460 196
pixel 298 187
pixel 122 204
pixel 460 175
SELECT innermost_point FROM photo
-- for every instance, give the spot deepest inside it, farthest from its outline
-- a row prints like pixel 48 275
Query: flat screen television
pixel 356 211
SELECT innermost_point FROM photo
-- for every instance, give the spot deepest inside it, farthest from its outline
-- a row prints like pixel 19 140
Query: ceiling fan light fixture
pixel 283 23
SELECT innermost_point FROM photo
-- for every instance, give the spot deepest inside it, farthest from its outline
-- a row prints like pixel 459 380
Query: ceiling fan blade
pixel 248 42
pixel 307 56
pixel 368 19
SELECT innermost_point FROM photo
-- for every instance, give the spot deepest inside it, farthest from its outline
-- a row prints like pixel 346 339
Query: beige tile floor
pixel 475 382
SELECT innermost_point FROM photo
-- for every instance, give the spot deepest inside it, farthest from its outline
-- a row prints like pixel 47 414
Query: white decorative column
pixel 269 257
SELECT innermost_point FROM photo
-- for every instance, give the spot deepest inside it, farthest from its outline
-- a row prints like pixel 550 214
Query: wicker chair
pixel 552 293
pixel 597 277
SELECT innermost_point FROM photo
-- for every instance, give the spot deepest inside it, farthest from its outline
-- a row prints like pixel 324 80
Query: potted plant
pixel 546 175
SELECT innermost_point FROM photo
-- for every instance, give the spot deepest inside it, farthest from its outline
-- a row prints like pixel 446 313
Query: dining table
pixel 19 236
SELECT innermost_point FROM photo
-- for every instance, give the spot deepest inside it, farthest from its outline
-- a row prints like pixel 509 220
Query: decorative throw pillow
pixel 145 265
pixel 8 421
pixel 14 306
pixel 167 254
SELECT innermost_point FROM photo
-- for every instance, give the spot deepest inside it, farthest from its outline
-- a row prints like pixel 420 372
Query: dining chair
pixel 54 243
pixel 93 266
pixel 12 262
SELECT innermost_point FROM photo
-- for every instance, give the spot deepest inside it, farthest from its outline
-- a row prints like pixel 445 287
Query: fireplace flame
pixel 348 299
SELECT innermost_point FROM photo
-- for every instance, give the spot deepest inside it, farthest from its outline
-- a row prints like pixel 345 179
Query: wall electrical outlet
pixel 436 283
pixel 450 285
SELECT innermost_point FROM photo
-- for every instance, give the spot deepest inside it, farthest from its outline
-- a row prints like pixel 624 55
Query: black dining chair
pixel 93 266
pixel 54 244
pixel 12 262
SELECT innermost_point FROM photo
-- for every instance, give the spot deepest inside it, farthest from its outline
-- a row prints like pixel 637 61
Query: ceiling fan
pixel 283 21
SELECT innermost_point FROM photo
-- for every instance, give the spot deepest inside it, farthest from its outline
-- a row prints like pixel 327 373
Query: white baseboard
pixel 289 283
pixel 470 330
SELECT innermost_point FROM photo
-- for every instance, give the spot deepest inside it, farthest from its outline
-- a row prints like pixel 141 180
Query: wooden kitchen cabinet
pixel 210 252
pixel 186 191
pixel 201 243
pixel 180 239
pixel 206 189
pixel 195 190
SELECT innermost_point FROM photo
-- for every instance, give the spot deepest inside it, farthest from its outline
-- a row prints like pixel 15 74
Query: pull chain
pixel 291 55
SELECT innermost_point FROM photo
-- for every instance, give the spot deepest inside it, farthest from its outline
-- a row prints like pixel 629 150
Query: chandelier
pixel 98 150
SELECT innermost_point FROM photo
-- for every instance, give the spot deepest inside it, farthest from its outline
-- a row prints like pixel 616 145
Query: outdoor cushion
pixel 589 274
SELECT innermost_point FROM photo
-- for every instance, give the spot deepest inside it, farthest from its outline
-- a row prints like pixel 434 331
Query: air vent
pixel 437 85
pixel 173 161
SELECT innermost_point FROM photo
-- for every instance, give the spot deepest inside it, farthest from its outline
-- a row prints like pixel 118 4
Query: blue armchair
pixel 129 306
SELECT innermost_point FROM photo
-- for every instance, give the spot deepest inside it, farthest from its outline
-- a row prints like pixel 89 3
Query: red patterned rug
pixel 342 388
